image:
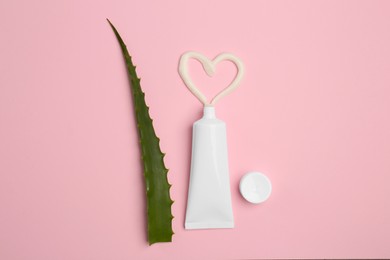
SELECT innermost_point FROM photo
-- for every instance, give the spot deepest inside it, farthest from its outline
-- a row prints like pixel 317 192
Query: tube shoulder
pixel 209 121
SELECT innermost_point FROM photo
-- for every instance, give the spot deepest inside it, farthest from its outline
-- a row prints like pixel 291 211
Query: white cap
pixel 255 187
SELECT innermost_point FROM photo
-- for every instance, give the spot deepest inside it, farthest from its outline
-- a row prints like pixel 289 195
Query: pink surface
pixel 312 113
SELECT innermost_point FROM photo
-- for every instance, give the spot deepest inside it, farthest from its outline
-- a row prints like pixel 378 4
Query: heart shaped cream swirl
pixel 209 67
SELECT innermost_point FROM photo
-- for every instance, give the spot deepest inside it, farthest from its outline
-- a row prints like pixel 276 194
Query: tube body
pixel 209 199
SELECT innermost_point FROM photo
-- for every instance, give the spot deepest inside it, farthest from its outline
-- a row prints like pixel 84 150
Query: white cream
pixel 209 67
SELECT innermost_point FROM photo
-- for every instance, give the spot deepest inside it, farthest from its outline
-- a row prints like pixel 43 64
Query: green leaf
pixel 157 187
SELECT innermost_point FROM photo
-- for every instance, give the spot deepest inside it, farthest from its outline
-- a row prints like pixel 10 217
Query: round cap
pixel 255 187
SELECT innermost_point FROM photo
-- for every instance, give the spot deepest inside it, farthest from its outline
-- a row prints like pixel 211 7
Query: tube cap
pixel 255 187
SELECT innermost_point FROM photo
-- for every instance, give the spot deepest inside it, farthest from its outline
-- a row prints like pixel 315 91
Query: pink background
pixel 312 113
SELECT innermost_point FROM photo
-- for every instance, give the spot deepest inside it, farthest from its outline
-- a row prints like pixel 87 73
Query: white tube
pixel 209 200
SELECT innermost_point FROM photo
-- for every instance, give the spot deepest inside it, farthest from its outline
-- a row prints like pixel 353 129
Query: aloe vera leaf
pixel 158 200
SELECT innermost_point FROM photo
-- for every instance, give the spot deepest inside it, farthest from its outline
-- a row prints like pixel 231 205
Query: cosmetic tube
pixel 209 199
